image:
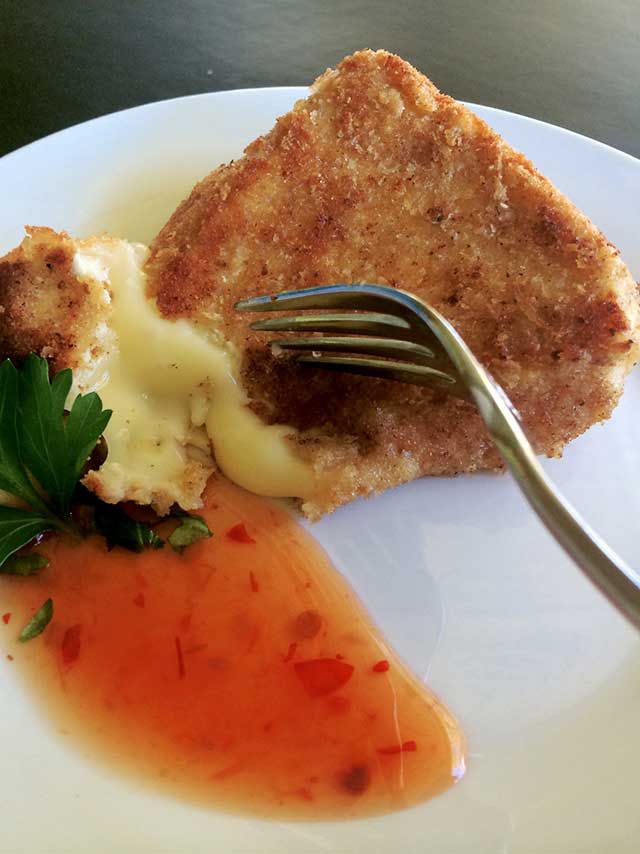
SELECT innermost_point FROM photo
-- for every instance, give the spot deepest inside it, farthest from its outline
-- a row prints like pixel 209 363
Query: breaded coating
pixel 45 308
pixel 377 177
pixel 63 310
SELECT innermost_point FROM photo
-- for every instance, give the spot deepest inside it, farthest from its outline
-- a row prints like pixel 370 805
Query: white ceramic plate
pixel 463 580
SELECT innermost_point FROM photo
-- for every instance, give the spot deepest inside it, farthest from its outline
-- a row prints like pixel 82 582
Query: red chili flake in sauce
pixel 308 624
pixel 356 779
pixel 239 534
pixel 405 747
pixel 139 600
pixel 71 645
pixel 381 666
pixel 321 676
pixel 253 583
pixel 9 658
pixel 304 793
pixel 290 652
pixel 180 657
pixel 6 618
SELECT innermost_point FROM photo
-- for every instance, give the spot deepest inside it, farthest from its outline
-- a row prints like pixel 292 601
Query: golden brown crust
pixel 44 307
pixel 186 491
pixel 377 177
pixel 60 310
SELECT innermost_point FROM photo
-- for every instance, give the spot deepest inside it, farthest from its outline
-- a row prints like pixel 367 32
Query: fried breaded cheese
pixel 378 177
pixel 375 177
pixel 173 385
pixel 81 304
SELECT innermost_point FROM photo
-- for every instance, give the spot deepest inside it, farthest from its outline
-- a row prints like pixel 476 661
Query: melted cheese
pixel 175 395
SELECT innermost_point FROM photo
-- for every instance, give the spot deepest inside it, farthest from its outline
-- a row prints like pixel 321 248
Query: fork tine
pixel 390 370
pixel 393 303
pixel 369 323
pixel 471 382
pixel 329 296
pixel 364 297
pixel 389 347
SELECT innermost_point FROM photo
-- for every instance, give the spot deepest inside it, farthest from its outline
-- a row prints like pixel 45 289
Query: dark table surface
pixel 571 62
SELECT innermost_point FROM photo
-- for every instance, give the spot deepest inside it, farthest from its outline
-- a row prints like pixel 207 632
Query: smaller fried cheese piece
pixel 170 383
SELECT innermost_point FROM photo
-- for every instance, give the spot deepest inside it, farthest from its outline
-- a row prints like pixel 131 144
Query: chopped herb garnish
pixel 29 564
pixel 119 529
pixel 42 450
pixel 38 622
pixel 18 527
pixel 54 448
pixel 115 524
pixel 43 453
pixel 191 529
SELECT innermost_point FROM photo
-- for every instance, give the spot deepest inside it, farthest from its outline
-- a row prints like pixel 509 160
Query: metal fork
pixel 398 336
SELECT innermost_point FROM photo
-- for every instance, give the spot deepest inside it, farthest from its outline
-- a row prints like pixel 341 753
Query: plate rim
pixel 629 159
pixel 39 148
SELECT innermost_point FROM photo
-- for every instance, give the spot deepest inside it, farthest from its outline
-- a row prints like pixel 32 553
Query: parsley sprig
pixel 42 451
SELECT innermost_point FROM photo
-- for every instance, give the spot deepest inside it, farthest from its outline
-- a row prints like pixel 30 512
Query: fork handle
pixel 618 582
pixel 599 563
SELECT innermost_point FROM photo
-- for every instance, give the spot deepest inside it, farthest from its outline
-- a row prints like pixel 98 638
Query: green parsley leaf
pixel 38 622
pixel 85 424
pixel 17 528
pixel 191 529
pixel 42 433
pixel 14 479
pixel 119 529
pixel 52 448
pixel 42 451
pixel 29 564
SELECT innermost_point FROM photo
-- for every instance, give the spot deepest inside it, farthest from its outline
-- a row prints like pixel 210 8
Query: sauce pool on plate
pixel 243 674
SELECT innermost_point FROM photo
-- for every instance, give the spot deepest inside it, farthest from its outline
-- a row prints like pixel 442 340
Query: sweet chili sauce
pixel 243 674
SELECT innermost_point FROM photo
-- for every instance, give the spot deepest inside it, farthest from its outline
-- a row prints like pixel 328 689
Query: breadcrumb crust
pixel 378 177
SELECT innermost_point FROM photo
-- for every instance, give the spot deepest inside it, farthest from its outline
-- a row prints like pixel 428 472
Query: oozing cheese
pixel 174 390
